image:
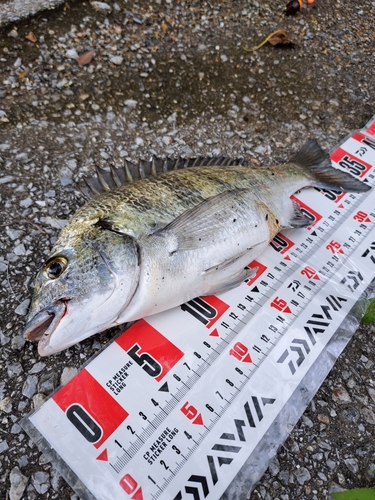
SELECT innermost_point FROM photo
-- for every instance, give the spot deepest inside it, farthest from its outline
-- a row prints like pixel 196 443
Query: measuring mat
pixel 184 404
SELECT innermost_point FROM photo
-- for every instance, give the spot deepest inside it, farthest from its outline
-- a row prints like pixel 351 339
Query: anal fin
pixel 235 280
pixel 299 219
pixel 231 272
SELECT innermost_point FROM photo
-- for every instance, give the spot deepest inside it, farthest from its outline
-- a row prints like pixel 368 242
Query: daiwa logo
pixel 207 310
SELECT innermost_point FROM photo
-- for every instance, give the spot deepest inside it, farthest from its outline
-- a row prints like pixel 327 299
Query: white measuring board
pixel 174 407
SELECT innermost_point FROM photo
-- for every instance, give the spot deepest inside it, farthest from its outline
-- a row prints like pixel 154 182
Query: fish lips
pixel 44 323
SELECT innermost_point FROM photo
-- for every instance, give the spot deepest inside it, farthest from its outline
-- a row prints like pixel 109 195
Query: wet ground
pixel 172 78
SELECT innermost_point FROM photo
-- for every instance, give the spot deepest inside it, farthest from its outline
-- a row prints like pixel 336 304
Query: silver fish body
pixel 146 246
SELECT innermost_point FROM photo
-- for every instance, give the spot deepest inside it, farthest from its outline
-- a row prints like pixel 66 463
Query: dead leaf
pixel 86 57
pixel 31 37
pixel 278 37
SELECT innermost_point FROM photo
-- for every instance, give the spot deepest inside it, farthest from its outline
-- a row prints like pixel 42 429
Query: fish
pixel 157 234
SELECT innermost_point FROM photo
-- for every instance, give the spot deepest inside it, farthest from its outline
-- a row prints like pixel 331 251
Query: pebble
pixel 38 367
pixel 38 400
pixel 18 484
pixel 341 395
pixel 67 374
pixel 30 385
pixel 20 249
pixel 6 404
pixel 14 369
pixel 41 482
pixel 71 54
pixel 6 179
pixel 22 308
pixel 116 60
pixel 302 475
pixel 26 203
pixel 352 465
pixel 368 415
pixel 101 6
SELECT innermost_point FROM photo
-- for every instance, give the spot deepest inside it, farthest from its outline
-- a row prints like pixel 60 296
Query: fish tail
pixel 317 163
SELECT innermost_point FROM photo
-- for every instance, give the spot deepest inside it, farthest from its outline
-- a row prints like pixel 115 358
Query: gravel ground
pixel 171 78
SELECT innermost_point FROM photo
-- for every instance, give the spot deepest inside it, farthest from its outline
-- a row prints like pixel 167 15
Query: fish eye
pixel 55 267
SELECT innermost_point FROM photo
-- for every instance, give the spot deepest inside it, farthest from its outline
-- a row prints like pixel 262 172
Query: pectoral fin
pixel 203 224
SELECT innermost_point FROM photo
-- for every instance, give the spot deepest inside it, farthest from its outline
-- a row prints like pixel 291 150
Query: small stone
pixel 53 222
pixel 13 33
pixel 323 418
pixel 3 446
pixel 331 464
pixel 38 400
pixel 341 479
pixel 352 464
pixel 71 54
pixel 322 476
pixel 102 7
pixel 302 475
pixel 368 415
pixel 26 203
pixel 20 250
pixel 41 482
pixel 72 164
pixel 260 150
pixel 371 393
pixel 47 382
pixel 18 342
pixel 68 373
pixel 116 60
pixel 38 367
pixel 340 395
pixel 18 484
pixel 6 179
pixel 16 429
pixel 29 387
pixel 370 470
pixel 131 103
pixel 6 405
pixel 22 308
pixel 14 369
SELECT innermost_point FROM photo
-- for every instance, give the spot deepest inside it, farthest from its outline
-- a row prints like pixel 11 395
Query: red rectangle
pixel 154 353
pixel 371 129
pixel 347 161
pixel 89 407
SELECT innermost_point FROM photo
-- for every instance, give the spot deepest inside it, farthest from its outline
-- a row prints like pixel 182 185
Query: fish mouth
pixel 44 323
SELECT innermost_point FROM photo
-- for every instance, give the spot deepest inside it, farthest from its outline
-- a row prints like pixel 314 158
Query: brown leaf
pixel 280 37
pixel 31 37
pixel 86 57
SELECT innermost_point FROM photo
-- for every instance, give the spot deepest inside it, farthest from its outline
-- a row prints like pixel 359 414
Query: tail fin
pixel 313 159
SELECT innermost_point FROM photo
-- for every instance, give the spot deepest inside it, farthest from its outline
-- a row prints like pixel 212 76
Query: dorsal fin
pixel 105 180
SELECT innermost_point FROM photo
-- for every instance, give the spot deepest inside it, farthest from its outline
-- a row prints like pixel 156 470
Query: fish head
pixel 85 283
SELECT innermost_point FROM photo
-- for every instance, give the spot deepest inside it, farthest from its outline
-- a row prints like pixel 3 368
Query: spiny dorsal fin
pixel 105 180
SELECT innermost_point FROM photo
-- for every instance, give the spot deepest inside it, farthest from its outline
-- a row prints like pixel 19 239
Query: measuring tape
pixel 175 406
